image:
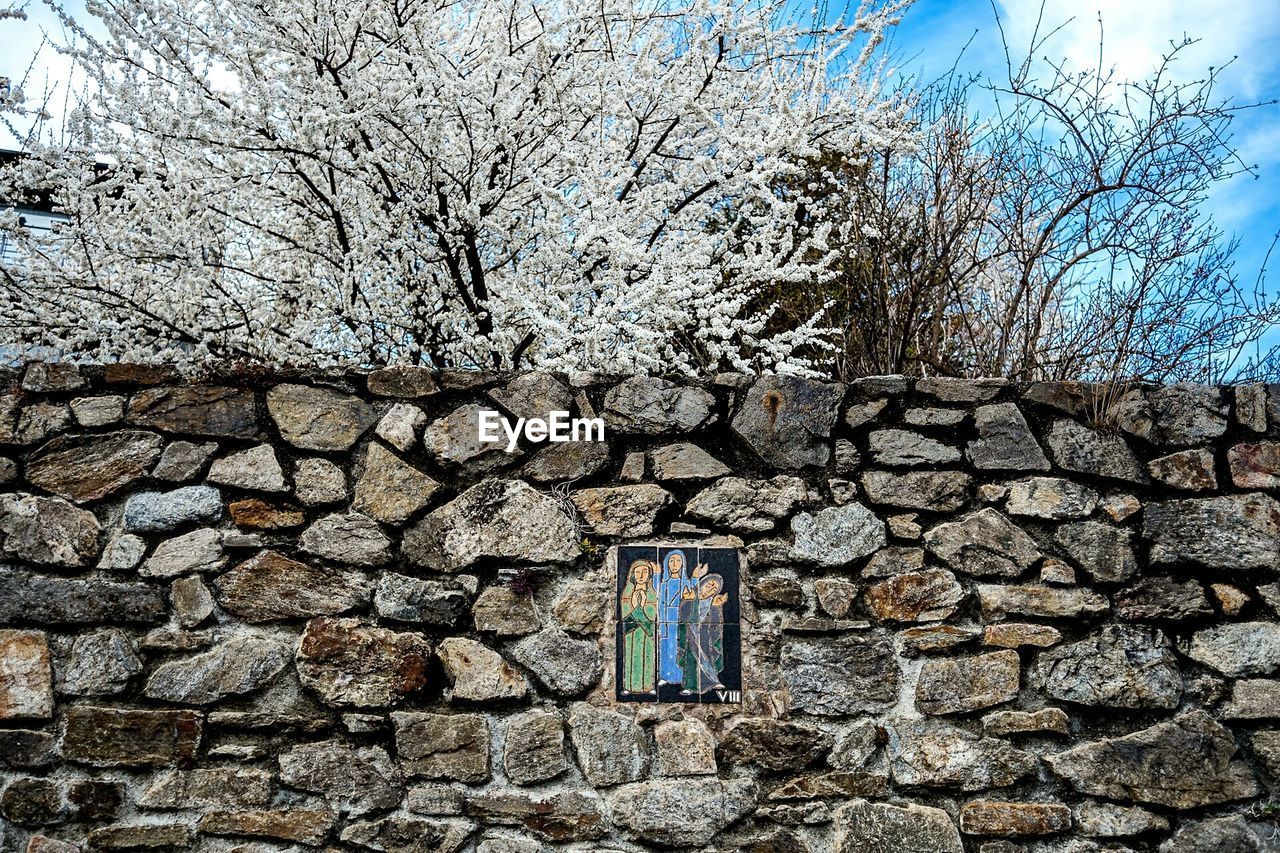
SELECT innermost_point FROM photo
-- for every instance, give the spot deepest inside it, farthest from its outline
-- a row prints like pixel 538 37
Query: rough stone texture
pixel 454 440
pixel 1118 667
pixel 347 663
pixel 84 468
pixel 239 665
pixel 1227 532
pixel 1086 451
pixel 254 654
pixel 654 811
pixel 984 543
pixel 651 406
pixel 318 418
pixel 271 586
pixel 1184 763
pixel 839 676
pixel 749 505
pixel 157 512
pixel 787 421
pixel 1051 497
pixel 1005 442
pixel 48 531
pixel 500 519
pixel 959 685
pixel 26 683
pixel 626 511
pixel 836 535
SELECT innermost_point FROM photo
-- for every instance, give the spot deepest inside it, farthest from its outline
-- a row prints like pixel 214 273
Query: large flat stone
pixel 113 737
pixel 196 410
pixel 26 680
pixel 347 663
pixel 1225 532
pixel 787 421
pixel 29 597
pixel 319 418
pixel 272 586
pixel 89 467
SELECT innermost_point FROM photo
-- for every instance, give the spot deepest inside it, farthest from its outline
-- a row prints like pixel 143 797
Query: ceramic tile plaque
pixel 679 638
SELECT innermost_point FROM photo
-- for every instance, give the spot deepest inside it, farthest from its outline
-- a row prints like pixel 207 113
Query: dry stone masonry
pixel 313 611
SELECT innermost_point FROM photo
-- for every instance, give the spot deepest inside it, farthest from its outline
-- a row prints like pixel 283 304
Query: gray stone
pixel 1238 648
pixel 1163 598
pixel 1108 820
pixel 455 440
pixel 655 811
pixel 389 489
pixel 197 551
pixel 1255 465
pixel 443 746
pixel 318 482
pixel 685 461
pixel 57 377
pixel 904 447
pixel 239 665
pixel 305 826
pixel 935 491
pixel 319 418
pixel 479 674
pixel 1077 448
pixel 534 748
pixel 354 779
pixel 101 663
pixel 581 608
pixel 400 426
pixel 533 395
pixel 1190 470
pixel 402 380
pixel 1052 498
pixel 85 468
pixel 753 506
pixel 787 421
pixel 627 511
pixel 1005 442
pixel 183 460
pixel 212 788
pixel 912 597
pixel 1104 551
pixel 159 512
pixel 1251 406
pixel 505 612
pixel 932 417
pixel 610 746
pixel 98 411
pixel 1218 835
pixel 957 390
pixel 28 597
pixel 960 685
pixel 1016 635
pixel 256 469
pixel 113 737
pixel 837 536
pixel 26 682
pixel 838 676
pixel 434 799
pixel 35 423
pixel 563 665
pixel 500 519
pixel 651 406
pixel 192 602
pixel 347 538
pixel 396 834
pixel 196 409
pixel 1119 666
pixel 894 560
pixel 774 744
pixel 346 663
pixel 146 836
pixel 432 602
pixel 996 817
pixel 632 468
pixel 863 827
pixel 1052 602
pixel 1184 414
pixel 683 748
pixel 932 754
pixel 1253 699
pixel 48 531
pixel 1183 763
pixel 1044 721
pixel 566 815
pixel 983 543
pixel 271 586
pixel 569 460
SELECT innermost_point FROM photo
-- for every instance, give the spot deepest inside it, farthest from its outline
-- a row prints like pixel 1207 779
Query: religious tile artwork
pixel 679 638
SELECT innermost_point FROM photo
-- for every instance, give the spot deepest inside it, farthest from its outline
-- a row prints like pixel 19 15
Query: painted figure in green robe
pixel 639 608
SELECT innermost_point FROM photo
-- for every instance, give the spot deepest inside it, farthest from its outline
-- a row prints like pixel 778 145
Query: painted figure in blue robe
pixel 675 586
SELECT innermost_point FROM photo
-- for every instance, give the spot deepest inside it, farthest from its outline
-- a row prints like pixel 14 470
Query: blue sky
pixel 1135 34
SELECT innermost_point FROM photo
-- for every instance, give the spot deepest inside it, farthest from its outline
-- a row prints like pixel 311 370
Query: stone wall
pixel 297 612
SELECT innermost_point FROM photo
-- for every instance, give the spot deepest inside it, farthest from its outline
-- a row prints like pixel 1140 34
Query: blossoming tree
pixel 489 183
